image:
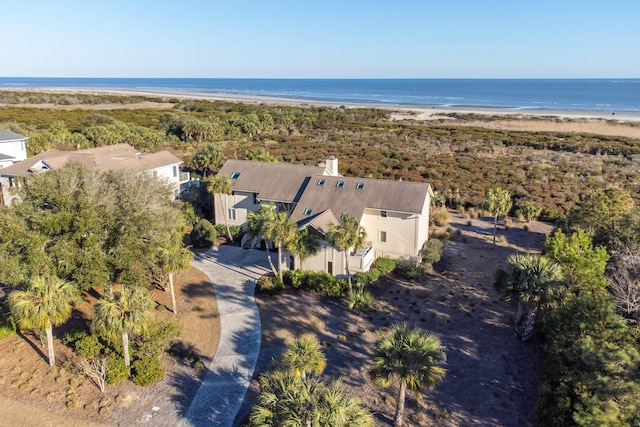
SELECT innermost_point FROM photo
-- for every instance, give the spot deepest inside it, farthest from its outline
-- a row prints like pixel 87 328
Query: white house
pixel 394 214
pixel 12 148
pixel 161 164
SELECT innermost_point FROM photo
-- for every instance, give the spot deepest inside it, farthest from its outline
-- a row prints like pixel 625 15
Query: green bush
pixel 408 270
pixel 361 300
pixel 529 211
pixel 316 282
pixel 384 265
pixel 367 277
pixel 221 229
pixel 269 285
pixel 159 337
pixel 7 325
pixel 147 370
pixel 203 234
pixel 115 368
pixel 432 251
pixel 88 346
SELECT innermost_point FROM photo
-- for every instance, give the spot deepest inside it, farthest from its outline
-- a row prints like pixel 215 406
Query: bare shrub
pixel 624 281
pixel 96 370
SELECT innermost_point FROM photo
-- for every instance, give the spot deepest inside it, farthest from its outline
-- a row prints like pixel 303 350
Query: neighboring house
pixel 12 148
pixel 161 164
pixel 394 214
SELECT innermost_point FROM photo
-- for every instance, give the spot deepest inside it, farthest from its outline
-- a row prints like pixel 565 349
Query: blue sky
pixel 321 39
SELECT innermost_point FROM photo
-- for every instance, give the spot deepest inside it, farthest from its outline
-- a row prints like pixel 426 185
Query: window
pixel 340 184
pixel 235 175
pixel 231 214
pixel 383 237
pixel 308 211
pixel 321 181
pixel 360 186
pixel 330 267
pixel 255 199
pixel 175 171
pixel 383 214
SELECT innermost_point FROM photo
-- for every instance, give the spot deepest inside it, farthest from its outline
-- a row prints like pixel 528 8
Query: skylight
pixel 235 175
pixel 321 181
pixel 340 184
pixel 308 211
pixel 360 186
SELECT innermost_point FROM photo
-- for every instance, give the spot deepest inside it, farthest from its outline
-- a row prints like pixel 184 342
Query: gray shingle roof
pixel 279 182
pixel 7 135
pixel 113 157
pixel 379 194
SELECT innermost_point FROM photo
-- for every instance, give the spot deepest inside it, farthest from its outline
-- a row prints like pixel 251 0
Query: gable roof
pixel 277 182
pixel 407 197
pixel 7 135
pixel 113 157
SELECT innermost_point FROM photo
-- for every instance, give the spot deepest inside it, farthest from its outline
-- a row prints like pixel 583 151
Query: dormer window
pixel 235 175
pixel 340 184
pixel 360 186
pixel 308 211
pixel 321 182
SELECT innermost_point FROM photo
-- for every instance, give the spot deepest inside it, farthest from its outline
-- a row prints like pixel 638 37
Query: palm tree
pixel 220 185
pixel 345 237
pixel 46 302
pixel 304 356
pixel 282 231
pixel 122 313
pixel 533 282
pixel 258 223
pixel 304 245
pixel 498 202
pixel 174 258
pixel 410 357
pixel 287 400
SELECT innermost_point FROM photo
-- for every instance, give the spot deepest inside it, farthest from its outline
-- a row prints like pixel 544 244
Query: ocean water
pixel 605 95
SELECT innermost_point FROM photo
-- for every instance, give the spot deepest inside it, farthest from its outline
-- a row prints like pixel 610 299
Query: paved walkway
pixel 233 272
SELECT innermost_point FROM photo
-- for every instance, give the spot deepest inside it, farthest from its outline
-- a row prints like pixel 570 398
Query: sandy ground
pixel 492 378
pixel 33 394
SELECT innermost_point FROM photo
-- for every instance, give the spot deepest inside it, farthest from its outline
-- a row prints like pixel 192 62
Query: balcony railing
pixel 361 261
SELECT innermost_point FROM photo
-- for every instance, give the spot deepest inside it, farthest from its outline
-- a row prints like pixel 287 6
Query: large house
pixel 12 148
pixel 394 214
pixel 161 164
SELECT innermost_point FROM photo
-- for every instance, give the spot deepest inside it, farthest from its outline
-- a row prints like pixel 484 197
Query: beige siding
pixel 242 202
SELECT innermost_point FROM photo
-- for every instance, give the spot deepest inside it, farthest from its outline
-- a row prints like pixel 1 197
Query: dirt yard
pixel 492 378
pixel 33 394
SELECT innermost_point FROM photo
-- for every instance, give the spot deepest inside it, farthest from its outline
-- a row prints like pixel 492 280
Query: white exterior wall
pixel 170 173
pixel 320 261
pixel 16 148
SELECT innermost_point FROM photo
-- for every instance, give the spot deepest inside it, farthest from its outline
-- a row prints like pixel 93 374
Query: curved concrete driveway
pixel 233 272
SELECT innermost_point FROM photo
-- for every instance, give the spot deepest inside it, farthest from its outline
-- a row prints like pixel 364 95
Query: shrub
pixel 146 370
pixel 367 277
pixel 529 211
pixel 432 251
pixel 203 234
pixel 440 217
pixel 316 282
pixel 115 368
pixel 408 270
pixel 361 300
pixel 384 265
pixel 159 337
pixel 7 325
pixel 71 337
pixel 269 285
pixel 88 346
pixel 221 229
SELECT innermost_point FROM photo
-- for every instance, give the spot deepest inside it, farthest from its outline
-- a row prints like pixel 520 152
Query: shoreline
pixel 418 112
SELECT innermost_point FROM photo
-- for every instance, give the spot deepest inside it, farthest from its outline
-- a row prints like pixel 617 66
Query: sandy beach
pixel 623 124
